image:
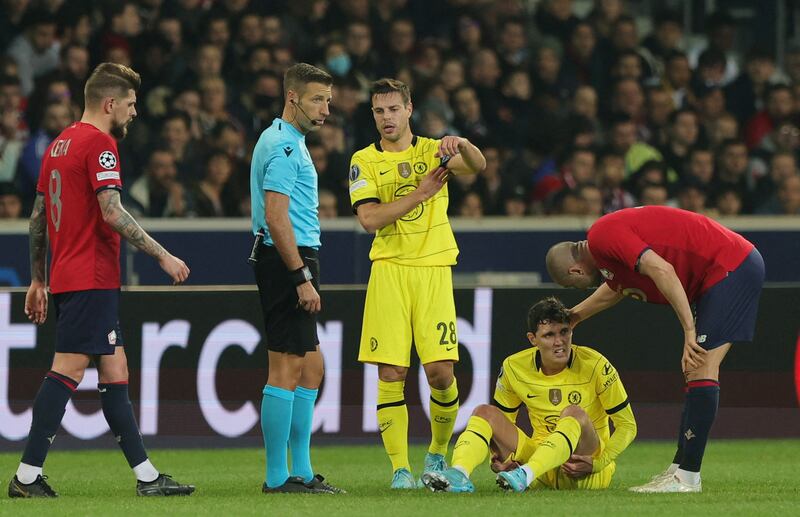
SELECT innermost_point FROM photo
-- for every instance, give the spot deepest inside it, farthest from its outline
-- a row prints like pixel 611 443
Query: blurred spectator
pixel 555 18
pixel 584 103
pixel 358 42
pixel 57 116
pixel 665 38
pixel 12 134
pixel 471 206
pixel 623 140
pixel 337 60
pixel 453 74
pixel 513 44
pixel 784 138
pixel 176 136
pixel 468 114
pixel 721 36
pixel 215 195
pixel 213 105
pixel 484 74
pixel 11 22
pixel 188 101
pixel 782 165
pixel 659 108
pixel 10 201
pixel 786 200
pixel 653 194
pixel 677 78
pixel 778 107
pixel 723 128
pixel 710 104
pixel 604 14
pixel 611 171
pixel 327 204
pixel 581 60
pixel 553 85
pixel 710 71
pixel 400 45
pixel 700 166
pixel 728 202
pixel 745 95
pixel 578 167
pixel 568 202
pixel 791 62
pixel 515 202
pixel 683 135
pixel 35 50
pixel 489 183
pixel 159 192
pixel 469 37
pixel 592 199
pixel 732 169
pixel 692 197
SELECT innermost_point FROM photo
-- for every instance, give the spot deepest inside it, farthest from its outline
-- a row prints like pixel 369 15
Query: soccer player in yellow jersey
pixel 570 393
pixel 398 191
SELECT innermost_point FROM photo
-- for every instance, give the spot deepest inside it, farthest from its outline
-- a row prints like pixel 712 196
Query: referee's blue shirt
pixel 281 163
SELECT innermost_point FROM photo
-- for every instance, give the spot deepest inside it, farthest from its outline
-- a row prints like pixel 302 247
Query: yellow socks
pixel 393 422
pixel 473 445
pixel 557 447
pixel 444 409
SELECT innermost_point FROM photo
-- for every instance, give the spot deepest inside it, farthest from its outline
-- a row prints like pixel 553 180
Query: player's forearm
pixel 472 158
pixel 122 222
pixel 282 234
pixel 624 432
pixel 374 216
pixel 670 286
pixel 37 236
pixel 603 298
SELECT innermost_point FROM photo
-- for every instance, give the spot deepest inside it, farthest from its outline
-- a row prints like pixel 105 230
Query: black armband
pixel 300 276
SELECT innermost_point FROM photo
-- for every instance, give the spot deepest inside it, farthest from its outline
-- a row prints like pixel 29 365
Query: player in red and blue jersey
pixel 78 210
pixel 668 256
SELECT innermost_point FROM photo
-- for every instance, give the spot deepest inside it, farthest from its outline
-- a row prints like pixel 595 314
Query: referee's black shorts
pixel 289 329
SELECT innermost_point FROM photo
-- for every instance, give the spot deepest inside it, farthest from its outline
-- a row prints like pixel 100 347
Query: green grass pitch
pixel 742 477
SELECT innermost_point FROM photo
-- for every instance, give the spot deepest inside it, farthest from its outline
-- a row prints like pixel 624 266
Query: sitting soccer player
pixel 570 392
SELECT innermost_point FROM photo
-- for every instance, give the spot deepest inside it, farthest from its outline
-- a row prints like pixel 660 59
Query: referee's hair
pixel 110 80
pixel 548 310
pixel 387 85
pixel 299 75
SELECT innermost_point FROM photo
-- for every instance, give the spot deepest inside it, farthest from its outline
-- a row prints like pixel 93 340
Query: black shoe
pixel 318 484
pixel 293 485
pixel 163 485
pixel 38 488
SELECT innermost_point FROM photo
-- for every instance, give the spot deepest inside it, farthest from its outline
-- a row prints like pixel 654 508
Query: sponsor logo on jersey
pixel 112 337
pixel 415 212
pixel 373 344
pixel 357 185
pixel 384 426
pixel 107 160
pixel 607 369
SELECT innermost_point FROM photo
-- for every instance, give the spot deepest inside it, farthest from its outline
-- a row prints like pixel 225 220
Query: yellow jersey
pixel 422 237
pixel 589 381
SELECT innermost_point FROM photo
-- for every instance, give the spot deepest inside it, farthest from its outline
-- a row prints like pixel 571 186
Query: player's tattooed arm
pixel 115 215
pixel 37 232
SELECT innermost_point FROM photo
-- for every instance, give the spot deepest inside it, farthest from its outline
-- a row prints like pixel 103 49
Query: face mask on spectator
pixel 339 65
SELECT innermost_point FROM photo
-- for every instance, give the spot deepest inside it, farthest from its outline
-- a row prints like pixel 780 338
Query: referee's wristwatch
pixel 301 276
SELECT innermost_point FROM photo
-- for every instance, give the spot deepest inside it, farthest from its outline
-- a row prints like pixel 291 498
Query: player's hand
pixel 432 183
pixel 450 146
pixel 175 268
pixel 498 465
pixel 577 466
pixel 36 303
pixel 308 298
pixel 694 356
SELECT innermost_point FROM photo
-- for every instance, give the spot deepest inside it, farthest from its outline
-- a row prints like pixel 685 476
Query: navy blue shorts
pixel 87 322
pixel 727 312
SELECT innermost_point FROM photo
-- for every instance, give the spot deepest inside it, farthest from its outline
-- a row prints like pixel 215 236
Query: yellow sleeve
pixel 614 399
pixel 363 186
pixel 505 398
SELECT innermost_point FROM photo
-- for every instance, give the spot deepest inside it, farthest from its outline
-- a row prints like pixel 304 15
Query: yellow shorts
pixel 408 304
pixel 555 478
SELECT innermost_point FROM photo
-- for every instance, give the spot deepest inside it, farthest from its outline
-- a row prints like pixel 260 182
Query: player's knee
pixel 392 373
pixel 487 412
pixel 440 375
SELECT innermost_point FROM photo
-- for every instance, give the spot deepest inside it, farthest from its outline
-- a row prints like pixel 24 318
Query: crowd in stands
pixel 575 115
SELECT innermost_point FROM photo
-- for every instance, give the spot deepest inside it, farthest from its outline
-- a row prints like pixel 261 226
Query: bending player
pixel 570 393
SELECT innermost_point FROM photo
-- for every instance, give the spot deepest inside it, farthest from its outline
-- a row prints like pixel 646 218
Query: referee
pixel 283 189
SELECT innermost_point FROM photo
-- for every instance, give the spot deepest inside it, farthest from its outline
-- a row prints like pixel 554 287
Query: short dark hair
pixel 110 79
pixel 548 310
pixel 387 85
pixel 301 74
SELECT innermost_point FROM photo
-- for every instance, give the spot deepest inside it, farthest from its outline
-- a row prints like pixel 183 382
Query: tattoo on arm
pixel 37 233
pixel 124 224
